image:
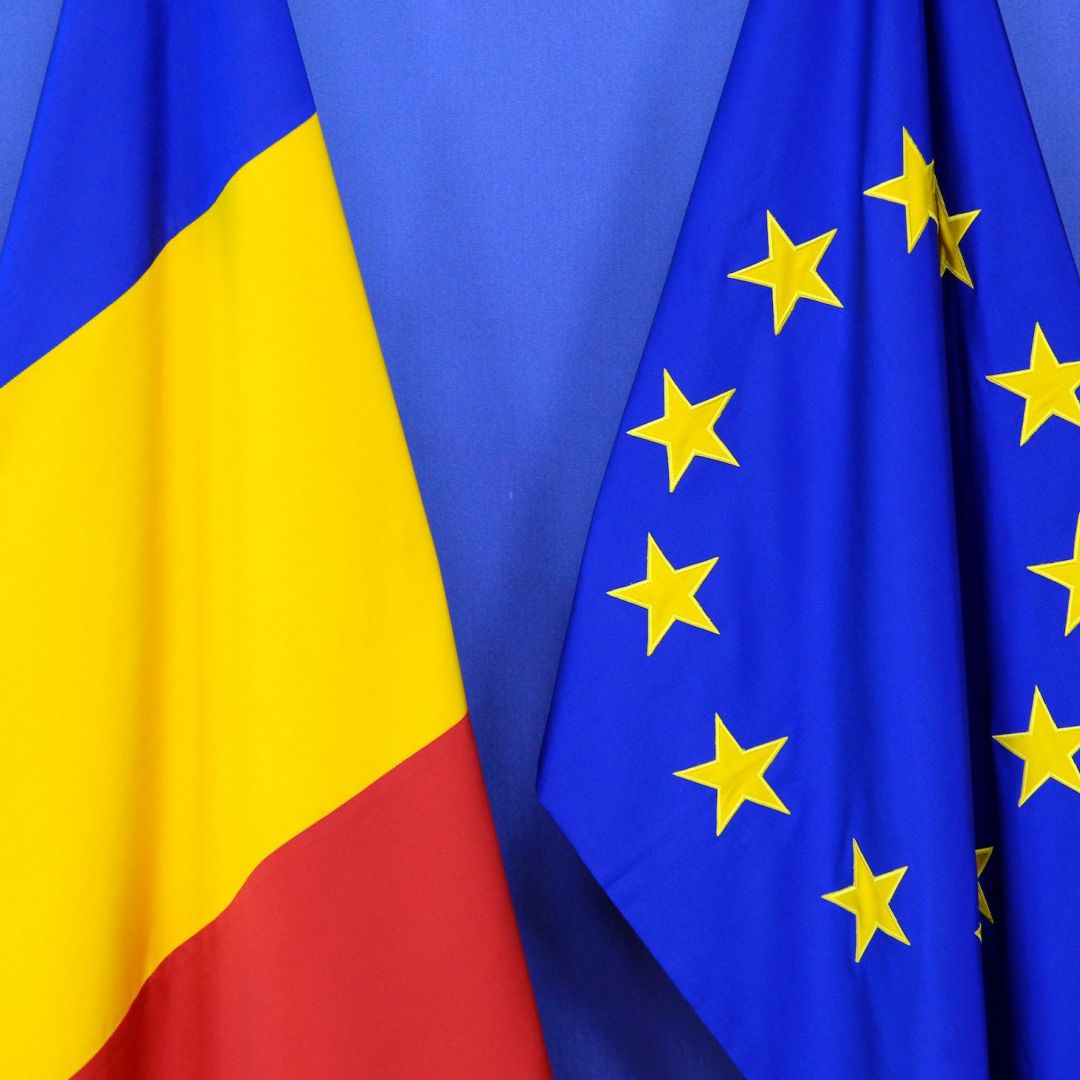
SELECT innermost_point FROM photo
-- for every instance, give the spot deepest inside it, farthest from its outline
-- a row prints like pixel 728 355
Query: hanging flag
pixel 245 829
pixel 817 721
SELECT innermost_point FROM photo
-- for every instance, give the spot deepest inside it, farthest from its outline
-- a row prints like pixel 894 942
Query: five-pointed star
pixel 667 594
pixel 951 229
pixel 1067 573
pixel 738 775
pixel 687 430
pixel 982 857
pixel 914 189
pixel 1047 386
pixel 791 271
pixel 1046 750
pixel 868 898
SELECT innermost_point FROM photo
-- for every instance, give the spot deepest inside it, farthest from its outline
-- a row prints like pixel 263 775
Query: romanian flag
pixel 817 725
pixel 245 832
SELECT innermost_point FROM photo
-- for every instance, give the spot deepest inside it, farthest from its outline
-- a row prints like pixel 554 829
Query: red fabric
pixel 378 943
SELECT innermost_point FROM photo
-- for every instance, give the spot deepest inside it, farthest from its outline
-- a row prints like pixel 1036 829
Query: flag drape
pixel 247 829
pixel 817 715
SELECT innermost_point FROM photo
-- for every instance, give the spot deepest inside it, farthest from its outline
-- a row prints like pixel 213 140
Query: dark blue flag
pixel 816 726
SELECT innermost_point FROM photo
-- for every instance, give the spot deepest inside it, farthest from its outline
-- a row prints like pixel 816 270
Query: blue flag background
pixel 804 767
pixel 515 181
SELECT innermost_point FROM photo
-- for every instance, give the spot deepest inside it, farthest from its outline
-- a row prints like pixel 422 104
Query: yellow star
pixel 791 271
pixel 868 898
pixel 687 430
pixel 914 189
pixel 1067 573
pixel 982 857
pixel 1047 386
pixel 738 775
pixel 1046 749
pixel 951 229
pixel 668 594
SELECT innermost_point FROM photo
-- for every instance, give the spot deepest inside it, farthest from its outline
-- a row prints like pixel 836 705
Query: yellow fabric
pixel 687 431
pixel 223 614
pixel 1049 386
pixel 1066 572
pixel 1048 751
pixel 915 189
pixel 737 774
pixel 791 271
pixel 668 593
pixel 868 898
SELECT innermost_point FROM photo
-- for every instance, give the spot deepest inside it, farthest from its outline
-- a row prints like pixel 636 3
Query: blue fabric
pixel 135 138
pixel 872 595
pixel 515 178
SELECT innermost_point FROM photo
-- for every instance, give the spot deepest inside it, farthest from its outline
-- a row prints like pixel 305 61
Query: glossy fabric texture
pixel 214 646
pixel 337 957
pixel 514 180
pixel 225 617
pixel 135 136
pixel 871 594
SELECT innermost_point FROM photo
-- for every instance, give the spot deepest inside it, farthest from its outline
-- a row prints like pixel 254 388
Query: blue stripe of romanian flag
pixel 133 141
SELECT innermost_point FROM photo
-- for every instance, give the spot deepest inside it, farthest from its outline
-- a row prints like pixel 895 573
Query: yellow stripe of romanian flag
pixel 223 612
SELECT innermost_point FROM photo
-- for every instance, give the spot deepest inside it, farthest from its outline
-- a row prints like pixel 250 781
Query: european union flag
pixel 816 726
